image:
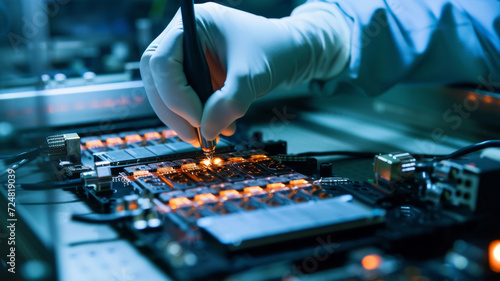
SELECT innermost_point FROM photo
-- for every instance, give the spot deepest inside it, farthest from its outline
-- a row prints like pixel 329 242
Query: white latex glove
pixel 248 56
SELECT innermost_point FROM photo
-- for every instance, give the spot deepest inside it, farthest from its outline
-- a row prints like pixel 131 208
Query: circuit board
pixel 253 208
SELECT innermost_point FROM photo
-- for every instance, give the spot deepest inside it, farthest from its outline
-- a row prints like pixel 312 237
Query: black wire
pixel 16 166
pixel 51 185
pixel 105 218
pixel 16 155
pixel 32 153
pixel 342 153
pixel 24 158
pixel 356 154
pixel 471 148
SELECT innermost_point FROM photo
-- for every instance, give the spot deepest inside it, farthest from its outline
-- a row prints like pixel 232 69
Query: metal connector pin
pixel 207 146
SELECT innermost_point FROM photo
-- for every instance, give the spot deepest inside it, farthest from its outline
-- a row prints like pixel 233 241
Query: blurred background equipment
pixel 65 60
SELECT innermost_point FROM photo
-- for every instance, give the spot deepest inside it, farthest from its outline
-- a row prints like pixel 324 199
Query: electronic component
pixel 153 184
pixel 114 141
pixel 64 147
pixel 252 169
pixel 262 227
pixel 92 144
pixel 469 182
pixel 395 167
pixel 148 145
pixel 325 169
pixel 228 173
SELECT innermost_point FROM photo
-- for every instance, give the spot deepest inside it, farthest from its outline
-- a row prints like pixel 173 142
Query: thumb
pixel 224 107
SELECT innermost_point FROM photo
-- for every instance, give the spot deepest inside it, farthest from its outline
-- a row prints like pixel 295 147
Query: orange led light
pixel 299 182
pixel 140 173
pixel 180 202
pixel 236 159
pixel 205 162
pixel 152 136
pixel 259 157
pixel 120 208
pixel 165 170
pixel 169 134
pixel 229 194
pixel 472 96
pixel 108 103
pixel 114 141
pixel 132 206
pixel 133 138
pixel 188 166
pixel 209 162
pixel 94 144
pixel 217 161
pixel 253 190
pixel 488 99
pixel 205 198
pixel 276 186
pixel 494 256
pixel 371 262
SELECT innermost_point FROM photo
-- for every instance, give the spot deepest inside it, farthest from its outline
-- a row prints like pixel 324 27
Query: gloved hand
pixel 248 56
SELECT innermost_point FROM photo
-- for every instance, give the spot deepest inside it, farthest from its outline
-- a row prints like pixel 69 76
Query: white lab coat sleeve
pixel 424 41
